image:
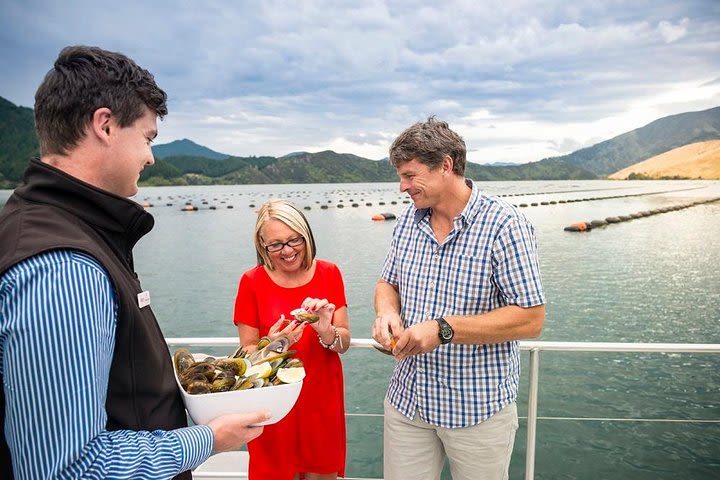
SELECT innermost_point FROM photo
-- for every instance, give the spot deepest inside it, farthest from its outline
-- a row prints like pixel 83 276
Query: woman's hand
pixel 291 328
pixel 325 311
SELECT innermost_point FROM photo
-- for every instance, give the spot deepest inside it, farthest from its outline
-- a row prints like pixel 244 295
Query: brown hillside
pixel 696 160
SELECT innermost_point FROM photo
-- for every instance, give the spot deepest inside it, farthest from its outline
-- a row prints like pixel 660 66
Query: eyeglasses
pixel 293 242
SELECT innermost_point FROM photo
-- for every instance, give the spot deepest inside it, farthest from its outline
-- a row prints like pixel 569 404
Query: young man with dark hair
pixel 88 383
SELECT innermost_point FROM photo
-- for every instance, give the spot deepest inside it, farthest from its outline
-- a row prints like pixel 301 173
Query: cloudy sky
pixel 520 80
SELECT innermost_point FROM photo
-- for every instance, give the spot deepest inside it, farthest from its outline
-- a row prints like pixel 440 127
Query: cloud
pixel 522 79
pixel 672 33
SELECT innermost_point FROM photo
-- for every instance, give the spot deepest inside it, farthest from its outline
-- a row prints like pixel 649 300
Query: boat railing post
pixel 532 413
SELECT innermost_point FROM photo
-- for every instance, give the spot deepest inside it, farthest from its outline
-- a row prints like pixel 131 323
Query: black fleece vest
pixel 52 210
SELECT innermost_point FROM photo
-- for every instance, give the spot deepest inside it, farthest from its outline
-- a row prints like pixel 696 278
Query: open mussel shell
pixel 293 363
pixel 302 315
pixel 270 351
pixel 244 383
pixel 237 365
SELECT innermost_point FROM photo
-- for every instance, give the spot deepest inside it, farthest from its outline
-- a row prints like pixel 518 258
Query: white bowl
pixel 277 399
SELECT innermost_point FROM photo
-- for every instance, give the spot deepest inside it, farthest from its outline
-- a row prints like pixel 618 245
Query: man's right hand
pixel 387 327
pixel 234 430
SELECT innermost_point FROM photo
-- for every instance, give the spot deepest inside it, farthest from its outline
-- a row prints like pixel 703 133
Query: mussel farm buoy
pixel 383 216
pixel 579 227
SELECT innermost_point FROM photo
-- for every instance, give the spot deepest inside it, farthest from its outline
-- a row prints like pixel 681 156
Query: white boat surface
pixel 234 465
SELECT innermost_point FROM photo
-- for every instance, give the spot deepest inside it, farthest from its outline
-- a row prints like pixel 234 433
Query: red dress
pixel 311 438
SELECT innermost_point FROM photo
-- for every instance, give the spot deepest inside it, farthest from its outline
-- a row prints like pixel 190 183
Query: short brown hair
pixel 428 143
pixel 82 80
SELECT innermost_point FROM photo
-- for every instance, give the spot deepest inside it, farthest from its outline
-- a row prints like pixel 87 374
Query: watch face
pixel 446 332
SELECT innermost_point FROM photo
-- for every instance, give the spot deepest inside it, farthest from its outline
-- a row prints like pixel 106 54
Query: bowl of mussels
pixel 267 379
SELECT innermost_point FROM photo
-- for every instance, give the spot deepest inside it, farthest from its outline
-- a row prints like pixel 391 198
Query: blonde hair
pixel 287 213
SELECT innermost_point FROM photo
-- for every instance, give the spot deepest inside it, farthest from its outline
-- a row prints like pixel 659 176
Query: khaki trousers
pixel 416 450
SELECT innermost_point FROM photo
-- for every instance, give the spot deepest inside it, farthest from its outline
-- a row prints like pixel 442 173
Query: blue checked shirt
pixel 57 335
pixel 489 260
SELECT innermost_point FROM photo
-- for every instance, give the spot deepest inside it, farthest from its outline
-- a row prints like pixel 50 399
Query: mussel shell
pixel 293 363
pixel 308 317
pixel 245 383
pixel 197 388
pixel 237 365
pixel 204 368
pixel 222 374
pixel 186 380
pixel 222 384
pixel 270 350
pixel 269 356
pixel 303 315
pixel 182 360
pixel 238 353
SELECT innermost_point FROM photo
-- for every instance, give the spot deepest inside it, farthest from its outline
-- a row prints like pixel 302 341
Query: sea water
pixel 653 279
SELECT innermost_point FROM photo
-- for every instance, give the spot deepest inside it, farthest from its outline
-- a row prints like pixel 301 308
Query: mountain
pixel 499 164
pixel 548 169
pixel 697 160
pixel 642 143
pixel 327 167
pixel 185 162
pixel 185 147
pixel 18 142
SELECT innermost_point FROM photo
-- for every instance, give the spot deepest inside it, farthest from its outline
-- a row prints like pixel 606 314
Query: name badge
pixel 143 299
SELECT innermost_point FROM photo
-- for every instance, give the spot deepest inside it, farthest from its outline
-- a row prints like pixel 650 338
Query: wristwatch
pixel 446 332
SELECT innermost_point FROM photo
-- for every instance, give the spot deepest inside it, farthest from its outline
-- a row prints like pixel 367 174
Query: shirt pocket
pixel 467 285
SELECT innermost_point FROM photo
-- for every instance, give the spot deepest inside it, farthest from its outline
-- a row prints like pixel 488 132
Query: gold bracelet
pixel 335 340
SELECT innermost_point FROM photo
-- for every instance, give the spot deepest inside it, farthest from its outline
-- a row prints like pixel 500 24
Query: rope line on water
pixel 587 226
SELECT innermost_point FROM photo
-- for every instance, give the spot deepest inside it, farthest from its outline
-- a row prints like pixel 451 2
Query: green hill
pixel 18 142
pixel 184 162
pixel 548 169
pixel 185 148
pixel 642 143
pixel 326 167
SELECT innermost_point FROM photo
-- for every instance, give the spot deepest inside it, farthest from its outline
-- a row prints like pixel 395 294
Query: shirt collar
pixel 472 207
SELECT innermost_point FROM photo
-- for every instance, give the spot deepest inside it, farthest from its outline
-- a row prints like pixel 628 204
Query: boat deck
pixel 233 465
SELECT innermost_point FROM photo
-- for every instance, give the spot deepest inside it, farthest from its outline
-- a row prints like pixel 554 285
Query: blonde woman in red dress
pixel 309 442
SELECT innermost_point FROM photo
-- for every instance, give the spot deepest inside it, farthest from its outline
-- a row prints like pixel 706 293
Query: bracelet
pixel 335 341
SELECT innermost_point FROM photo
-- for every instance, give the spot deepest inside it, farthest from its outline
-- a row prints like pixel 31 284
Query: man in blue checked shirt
pixel 88 388
pixel 459 287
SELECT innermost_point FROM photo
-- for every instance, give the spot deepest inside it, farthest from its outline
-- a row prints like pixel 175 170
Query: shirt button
pixel 432 284
pixel 420 370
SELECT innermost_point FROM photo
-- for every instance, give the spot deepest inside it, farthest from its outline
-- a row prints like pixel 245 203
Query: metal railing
pixel 534 348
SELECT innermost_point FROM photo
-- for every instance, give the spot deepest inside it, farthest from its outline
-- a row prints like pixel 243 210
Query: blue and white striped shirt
pixel 488 260
pixel 57 334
